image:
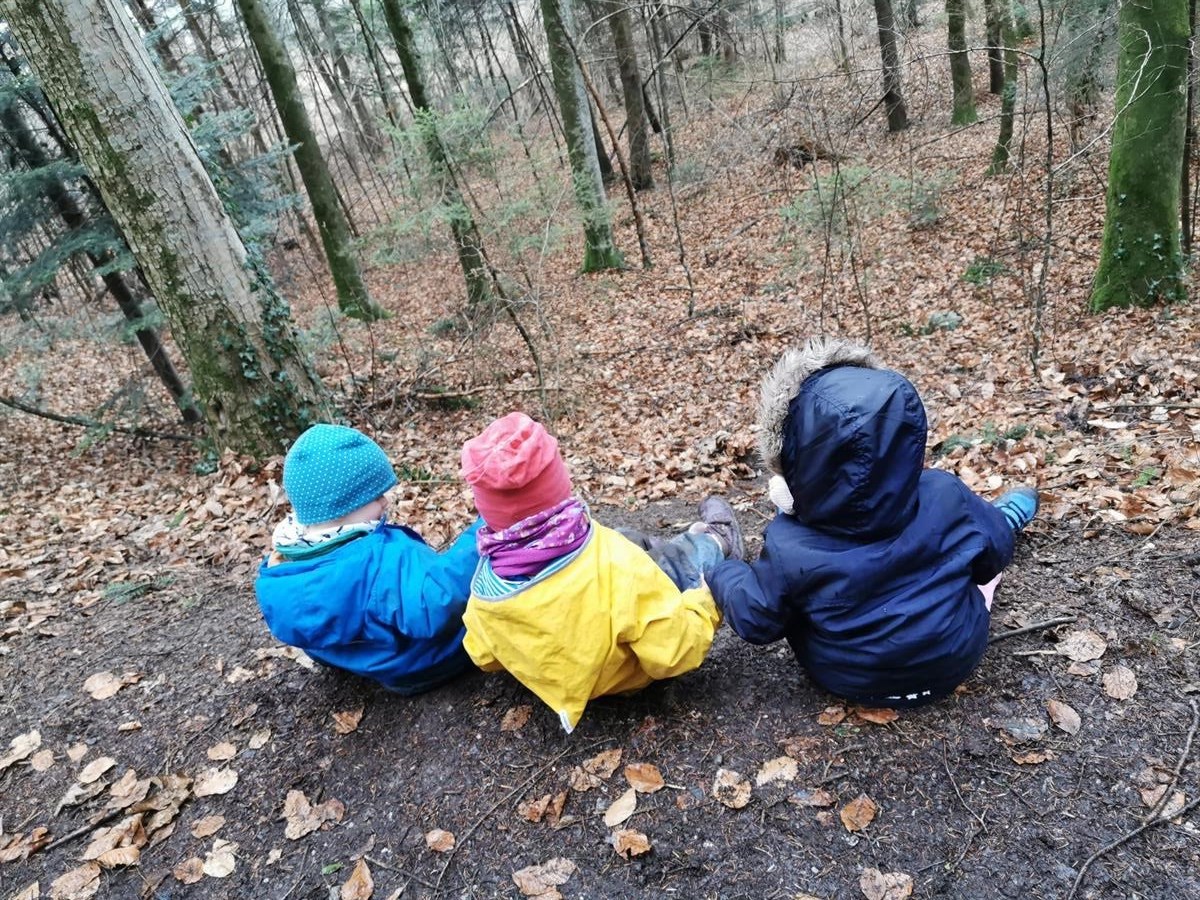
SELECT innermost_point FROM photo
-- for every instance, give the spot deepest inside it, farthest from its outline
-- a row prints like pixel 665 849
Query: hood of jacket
pixel 846 435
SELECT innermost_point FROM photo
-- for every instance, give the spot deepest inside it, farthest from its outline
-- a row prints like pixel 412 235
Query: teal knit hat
pixel 332 470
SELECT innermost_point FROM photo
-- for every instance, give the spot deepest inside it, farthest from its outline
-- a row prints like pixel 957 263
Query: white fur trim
pixel 783 382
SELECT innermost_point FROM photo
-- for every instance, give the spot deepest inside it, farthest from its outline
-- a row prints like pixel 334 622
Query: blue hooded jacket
pixel 872 577
pixel 386 606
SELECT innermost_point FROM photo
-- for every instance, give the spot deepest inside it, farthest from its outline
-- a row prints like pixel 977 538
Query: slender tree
pixel 960 63
pixel 993 20
pixel 248 372
pixel 599 250
pixel 353 298
pixel 893 96
pixel 467 241
pixel 1008 96
pixel 1140 258
pixel 621 25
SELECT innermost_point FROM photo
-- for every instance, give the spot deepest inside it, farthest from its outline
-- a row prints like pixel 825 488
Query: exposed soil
pixel 964 807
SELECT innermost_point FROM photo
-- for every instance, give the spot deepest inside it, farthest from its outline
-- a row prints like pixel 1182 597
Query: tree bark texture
pixel 600 252
pixel 621 25
pixel 1008 96
pixel 353 299
pixel 248 372
pixel 68 209
pixel 893 96
pixel 462 224
pixel 993 22
pixel 960 63
pixel 1140 258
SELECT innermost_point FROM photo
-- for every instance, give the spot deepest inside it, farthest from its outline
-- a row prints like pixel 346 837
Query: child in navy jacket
pixel 351 590
pixel 878 571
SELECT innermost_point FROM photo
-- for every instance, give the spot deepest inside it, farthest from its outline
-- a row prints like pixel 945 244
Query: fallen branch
pixel 1036 626
pixel 84 422
pixel 1183 757
pixel 1128 837
pixel 79 832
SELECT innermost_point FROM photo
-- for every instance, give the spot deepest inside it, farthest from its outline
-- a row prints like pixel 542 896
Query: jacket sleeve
pixel 752 597
pixel 672 631
pixel 445 586
pixel 998 537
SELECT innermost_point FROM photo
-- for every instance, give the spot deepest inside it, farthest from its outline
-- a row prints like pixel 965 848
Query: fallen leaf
pixel 621 809
pixel 78 884
pixel 1032 757
pixel 802 748
pixel 130 726
pixel 80 793
pixel 20 747
pixel 120 856
pixel 211 782
pixel 360 885
pixel 189 871
pixel 731 788
pixel 42 761
pixel 645 778
pixel 33 892
pixel 207 827
pixel 1020 728
pixel 221 752
pixel 346 722
pixel 782 768
pixel 878 885
pixel 76 752
pixel 104 685
pixel 516 717
pixel 603 764
pixel 128 790
pixel 876 716
pixel 304 818
pixel 93 770
pixel 1083 669
pixel 274 856
pixel 126 833
pixel 818 797
pixel 1064 716
pixel 534 810
pixel 259 739
pixel 543 881
pixel 17 847
pixel 1082 646
pixel 439 840
pixel 831 715
pixel 628 842
pixel 220 861
pixel 1120 683
pixel 858 813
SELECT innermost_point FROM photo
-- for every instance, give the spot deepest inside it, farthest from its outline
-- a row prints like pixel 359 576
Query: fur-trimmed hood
pixel 782 384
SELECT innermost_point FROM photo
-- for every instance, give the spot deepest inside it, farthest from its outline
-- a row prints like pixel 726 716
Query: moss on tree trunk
pixel 1140 258
pixel 960 63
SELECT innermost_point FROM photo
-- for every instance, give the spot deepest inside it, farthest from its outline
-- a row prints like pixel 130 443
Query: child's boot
pixel 1019 506
pixel 719 521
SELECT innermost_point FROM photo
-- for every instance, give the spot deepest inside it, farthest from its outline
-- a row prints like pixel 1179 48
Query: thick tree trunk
pixel 893 96
pixel 621 25
pixel 462 224
pixel 353 299
pixel 1189 141
pixel 600 252
pixel 248 372
pixel 1140 258
pixel 118 287
pixel 994 22
pixel 960 63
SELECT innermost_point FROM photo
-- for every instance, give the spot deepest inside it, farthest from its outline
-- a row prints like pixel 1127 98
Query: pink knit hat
pixel 514 469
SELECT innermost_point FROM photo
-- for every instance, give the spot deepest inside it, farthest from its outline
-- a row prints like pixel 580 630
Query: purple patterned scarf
pixel 526 547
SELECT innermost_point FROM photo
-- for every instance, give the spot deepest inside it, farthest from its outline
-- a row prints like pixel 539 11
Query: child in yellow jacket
pixel 574 610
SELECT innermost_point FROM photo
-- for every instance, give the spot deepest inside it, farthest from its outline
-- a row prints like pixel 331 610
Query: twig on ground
pixel 954 784
pixel 407 874
pixel 1036 626
pixel 1121 840
pixel 1183 757
pixel 79 832
pixel 84 422
pixel 505 799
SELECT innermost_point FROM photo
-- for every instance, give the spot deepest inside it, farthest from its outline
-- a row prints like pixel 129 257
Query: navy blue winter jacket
pixel 873 578
pixel 386 606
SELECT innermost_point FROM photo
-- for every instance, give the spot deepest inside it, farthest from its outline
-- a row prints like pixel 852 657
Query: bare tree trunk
pixel 1008 103
pixel 353 298
pixel 1189 139
pixel 843 47
pixel 893 97
pixel 780 32
pixel 621 26
pixel 250 376
pixel 960 63
pixel 995 53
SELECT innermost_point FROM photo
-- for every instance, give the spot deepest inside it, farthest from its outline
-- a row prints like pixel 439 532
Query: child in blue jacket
pixel 878 571
pixel 349 589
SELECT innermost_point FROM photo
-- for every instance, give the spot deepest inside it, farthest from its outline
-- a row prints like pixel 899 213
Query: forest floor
pixel 155 725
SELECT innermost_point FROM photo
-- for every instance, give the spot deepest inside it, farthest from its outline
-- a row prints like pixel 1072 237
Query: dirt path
pixel 980 796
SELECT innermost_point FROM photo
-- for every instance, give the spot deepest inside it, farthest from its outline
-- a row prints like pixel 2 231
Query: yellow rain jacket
pixel 608 621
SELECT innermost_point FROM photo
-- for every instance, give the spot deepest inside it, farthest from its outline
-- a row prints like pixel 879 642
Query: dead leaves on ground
pixel 877 885
pixel 104 685
pixel 439 840
pixel 858 813
pixel 304 818
pixel 542 881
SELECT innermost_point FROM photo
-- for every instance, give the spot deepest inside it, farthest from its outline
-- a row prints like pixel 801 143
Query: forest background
pixel 613 216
